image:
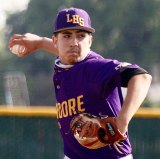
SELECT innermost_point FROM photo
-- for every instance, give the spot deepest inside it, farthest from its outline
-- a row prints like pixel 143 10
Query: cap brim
pixel 91 30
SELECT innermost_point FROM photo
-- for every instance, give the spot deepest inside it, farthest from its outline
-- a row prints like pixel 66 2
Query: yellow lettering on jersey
pixel 59 112
pixel 70 107
pixel 64 109
pixel 80 103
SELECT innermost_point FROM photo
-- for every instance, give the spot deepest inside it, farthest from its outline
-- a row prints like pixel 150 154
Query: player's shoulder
pixel 97 59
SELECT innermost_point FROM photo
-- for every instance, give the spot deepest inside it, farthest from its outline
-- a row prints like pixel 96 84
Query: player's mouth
pixel 74 51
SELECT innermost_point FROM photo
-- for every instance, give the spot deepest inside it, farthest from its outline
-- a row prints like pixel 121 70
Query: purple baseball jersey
pixel 92 86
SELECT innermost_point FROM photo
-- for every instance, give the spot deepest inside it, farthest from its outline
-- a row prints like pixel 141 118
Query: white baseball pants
pixel 126 157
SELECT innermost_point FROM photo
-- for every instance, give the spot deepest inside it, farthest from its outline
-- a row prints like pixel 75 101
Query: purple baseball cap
pixel 72 18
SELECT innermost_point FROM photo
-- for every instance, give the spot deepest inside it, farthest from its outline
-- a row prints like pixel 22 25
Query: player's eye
pixel 66 36
pixel 82 35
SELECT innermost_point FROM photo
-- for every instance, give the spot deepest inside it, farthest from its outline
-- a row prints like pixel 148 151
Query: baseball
pixel 17 49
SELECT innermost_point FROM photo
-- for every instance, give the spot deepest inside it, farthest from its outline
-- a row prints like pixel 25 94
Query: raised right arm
pixel 32 43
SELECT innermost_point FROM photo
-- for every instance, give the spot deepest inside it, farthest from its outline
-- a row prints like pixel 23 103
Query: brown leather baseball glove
pixel 95 132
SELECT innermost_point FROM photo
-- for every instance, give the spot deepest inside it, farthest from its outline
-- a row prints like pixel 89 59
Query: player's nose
pixel 74 42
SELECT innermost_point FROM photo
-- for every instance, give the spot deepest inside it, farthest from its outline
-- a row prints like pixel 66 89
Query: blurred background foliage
pixel 127 30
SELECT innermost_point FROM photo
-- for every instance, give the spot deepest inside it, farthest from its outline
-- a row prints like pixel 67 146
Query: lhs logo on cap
pixel 75 19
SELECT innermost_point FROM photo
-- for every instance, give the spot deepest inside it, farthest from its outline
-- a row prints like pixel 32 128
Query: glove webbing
pixel 102 133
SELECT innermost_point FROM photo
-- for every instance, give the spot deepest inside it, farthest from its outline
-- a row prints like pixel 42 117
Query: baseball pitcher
pixel 92 115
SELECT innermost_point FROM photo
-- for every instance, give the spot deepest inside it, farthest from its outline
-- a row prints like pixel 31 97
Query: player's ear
pixel 54 39
pixel 90 40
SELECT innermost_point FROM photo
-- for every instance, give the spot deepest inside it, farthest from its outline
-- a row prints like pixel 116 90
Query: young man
pixel 85 82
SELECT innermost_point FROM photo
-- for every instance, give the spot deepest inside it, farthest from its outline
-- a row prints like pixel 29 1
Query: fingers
pixel 89 129
pixel 30 41
pixel 18 46
pixel 16 39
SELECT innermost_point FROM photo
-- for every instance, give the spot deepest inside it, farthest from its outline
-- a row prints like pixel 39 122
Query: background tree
pixel 126 30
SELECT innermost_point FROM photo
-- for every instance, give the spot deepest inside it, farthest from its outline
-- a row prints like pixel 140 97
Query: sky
pixel 11 6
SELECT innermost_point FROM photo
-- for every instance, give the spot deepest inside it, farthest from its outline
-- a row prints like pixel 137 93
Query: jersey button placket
pixel 58 86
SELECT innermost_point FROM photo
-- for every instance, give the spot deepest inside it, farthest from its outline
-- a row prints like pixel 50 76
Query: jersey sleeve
pixel 127 74
pixel 109 74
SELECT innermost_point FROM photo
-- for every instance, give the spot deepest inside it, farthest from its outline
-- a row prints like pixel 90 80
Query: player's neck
pixel 61 65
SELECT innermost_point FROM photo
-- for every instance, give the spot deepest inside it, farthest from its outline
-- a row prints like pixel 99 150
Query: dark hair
pixel 56 33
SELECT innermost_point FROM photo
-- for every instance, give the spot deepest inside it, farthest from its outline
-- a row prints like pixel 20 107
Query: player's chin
pixel 74 59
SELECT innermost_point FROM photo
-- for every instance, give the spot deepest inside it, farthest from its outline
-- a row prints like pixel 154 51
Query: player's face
pixel 72 45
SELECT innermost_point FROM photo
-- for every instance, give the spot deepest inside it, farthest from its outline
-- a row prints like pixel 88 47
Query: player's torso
pixel 80 89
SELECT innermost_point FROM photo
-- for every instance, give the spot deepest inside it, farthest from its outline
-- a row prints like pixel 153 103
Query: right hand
pixel 30 41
